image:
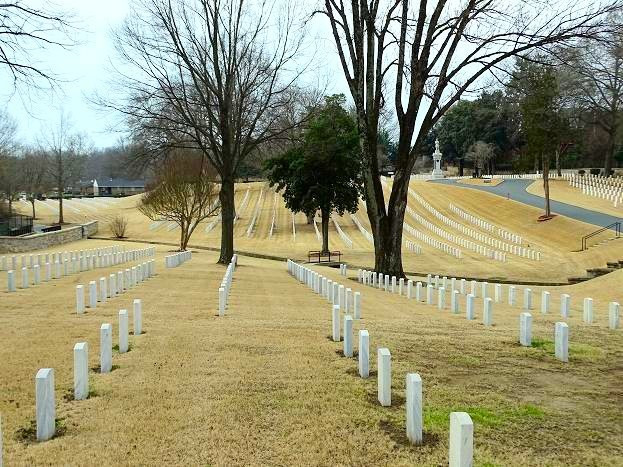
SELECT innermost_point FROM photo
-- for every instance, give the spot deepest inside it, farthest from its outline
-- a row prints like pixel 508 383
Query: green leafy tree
pixel 544 127
pixel 324 171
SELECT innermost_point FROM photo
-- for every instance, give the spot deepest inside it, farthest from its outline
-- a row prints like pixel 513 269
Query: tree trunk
pixel 609 156
pixel 558 167
pixel 310 218
pixel 183 239
pixel 10 205
pixel 33 208
pixel 546 184
pixel 228 207
pixel 61 219
pixel 461 167
pixel 326 215
pixel 387 229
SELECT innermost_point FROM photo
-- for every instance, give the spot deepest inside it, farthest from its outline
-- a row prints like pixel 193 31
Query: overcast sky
pixel 85 70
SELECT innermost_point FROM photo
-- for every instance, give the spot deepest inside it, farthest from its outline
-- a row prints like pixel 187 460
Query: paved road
pixel 515 189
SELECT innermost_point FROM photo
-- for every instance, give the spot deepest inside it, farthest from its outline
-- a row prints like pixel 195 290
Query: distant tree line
pixel 564 110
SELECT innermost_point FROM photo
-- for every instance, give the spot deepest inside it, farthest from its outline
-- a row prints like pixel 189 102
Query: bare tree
pixel 34 176
pixel 183 193
pixel 65 158
pixel 598 69
pixel 213 75
pixel 9 178
pixel 433 53
pixel 480 153
pixel 25 28
pixel 8 161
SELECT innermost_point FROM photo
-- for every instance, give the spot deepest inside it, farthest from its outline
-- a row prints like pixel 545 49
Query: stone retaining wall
pixel 47 240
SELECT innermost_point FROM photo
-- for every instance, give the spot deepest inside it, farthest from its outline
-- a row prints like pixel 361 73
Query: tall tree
pixel 543 125
pixel 433 53
pixel 213 75
pixel 34 176
pixel 324 172
pixel 65 158
pixel 598 69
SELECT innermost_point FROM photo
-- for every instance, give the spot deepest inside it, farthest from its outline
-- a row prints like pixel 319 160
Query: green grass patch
pixel 439 418
pixel 576 350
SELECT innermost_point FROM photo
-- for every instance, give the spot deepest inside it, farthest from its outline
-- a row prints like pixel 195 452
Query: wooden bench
pixel 324 257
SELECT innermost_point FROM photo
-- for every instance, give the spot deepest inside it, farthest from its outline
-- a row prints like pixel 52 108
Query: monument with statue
pixel 437 172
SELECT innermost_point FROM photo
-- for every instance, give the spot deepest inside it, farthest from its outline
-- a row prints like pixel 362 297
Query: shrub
pixel 581 172
pixel 118 226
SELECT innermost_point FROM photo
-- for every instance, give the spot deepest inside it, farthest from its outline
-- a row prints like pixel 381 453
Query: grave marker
pixel 469 307
pixel 92 294
pixel 105 348
pixel 487 314
pixel 336 323
pixel 138 317
pixel 527 299
pixel 613 315
pixel 413 407
pixel 461 440
pixel 81 371
pixel 123 331
pixel 565 305
pixel 348 336
pixel 357 305
pixel 588 310
pixel 45 404
pixel 364 353
pixel 561 338
pixel 545 302
pixel 384 377
pixel 525 329
pixel 79 299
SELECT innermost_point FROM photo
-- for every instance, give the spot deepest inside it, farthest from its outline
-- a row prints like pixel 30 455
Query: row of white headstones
pixel 415 248
pixel 461 425
pixel 117 284
pixel 561 330
pixel 45 401
pixel 72 263
pixel 223 291
pixel 610 189
pixel 483 224
pixel 465 243
pixel 44 380
pixel 177 259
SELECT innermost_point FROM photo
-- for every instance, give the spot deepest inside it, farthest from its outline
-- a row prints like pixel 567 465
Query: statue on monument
pixel 437 172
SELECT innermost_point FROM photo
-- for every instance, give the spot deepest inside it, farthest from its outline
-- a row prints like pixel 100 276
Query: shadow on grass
pixel 397 400
pixel 116 348
pixel 398 435
pixel 330 338
pixel 97 369
pixel 28 434
pixel 68 396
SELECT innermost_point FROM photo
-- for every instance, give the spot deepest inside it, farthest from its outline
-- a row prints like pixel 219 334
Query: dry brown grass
pixel 558 239
pixel 265 386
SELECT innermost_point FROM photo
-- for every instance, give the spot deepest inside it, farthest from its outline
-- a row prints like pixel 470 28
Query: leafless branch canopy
pixel 432 53
pixel 216 75
pixel 24 29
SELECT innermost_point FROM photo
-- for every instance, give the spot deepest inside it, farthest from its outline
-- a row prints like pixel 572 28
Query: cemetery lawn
pixel 559 190
pixel 558 239
pixel 265 385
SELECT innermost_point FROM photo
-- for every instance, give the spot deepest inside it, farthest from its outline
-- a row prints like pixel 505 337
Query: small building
pixel 113 187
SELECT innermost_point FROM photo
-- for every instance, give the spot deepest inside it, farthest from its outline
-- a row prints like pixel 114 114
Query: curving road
pixel 515 189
